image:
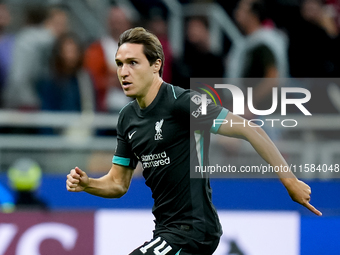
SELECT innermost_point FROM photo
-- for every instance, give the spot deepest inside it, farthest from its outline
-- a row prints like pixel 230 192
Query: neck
pixel 150 95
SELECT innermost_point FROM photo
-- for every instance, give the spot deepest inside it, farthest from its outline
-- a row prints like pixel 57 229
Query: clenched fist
pixel 77 180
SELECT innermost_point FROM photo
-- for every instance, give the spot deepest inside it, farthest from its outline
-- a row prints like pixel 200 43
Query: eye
pixel 133 62
pixel 119 64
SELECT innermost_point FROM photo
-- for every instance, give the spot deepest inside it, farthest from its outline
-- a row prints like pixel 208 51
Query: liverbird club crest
pixel 158 128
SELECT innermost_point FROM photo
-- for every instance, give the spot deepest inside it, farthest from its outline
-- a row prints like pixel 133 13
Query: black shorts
pixel 159 246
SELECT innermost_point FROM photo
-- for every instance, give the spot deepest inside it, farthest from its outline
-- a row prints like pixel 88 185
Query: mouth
pixel 126 84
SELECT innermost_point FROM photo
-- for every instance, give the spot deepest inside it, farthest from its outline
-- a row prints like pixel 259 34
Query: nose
pixel 124 71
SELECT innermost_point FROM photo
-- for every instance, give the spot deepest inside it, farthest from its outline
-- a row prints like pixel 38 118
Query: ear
pixel 157 65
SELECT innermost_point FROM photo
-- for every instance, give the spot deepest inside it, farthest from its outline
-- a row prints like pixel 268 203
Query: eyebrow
pixel 128 59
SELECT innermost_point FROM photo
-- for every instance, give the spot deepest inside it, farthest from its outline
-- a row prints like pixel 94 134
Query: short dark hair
pixel 36 14
pixel 152 49
pixel 258 7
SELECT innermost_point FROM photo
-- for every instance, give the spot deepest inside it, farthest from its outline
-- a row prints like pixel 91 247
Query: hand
pixel 77 180
pixel 300 193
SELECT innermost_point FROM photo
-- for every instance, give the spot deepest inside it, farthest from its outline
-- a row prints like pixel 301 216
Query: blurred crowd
pixel 45 66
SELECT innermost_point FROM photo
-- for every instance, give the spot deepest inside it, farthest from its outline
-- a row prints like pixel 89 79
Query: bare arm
pixel 112 185
pixel 298 190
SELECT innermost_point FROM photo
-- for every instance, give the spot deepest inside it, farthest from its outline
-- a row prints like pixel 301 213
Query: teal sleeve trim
pixel 173 91
pixel 223 114
pixel 121 161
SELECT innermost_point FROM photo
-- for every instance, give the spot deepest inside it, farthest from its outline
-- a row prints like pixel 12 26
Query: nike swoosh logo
pixel 130 135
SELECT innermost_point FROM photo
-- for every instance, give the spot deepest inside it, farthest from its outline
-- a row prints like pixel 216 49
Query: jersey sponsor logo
pixel 158 128
pixel 154 160
pixel 131 134
pixel 197 112
pixel 196 99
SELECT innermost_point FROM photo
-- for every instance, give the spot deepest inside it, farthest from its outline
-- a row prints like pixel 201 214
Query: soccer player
pixel 155 130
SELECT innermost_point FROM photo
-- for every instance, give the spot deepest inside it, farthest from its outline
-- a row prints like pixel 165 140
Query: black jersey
pixel 161 138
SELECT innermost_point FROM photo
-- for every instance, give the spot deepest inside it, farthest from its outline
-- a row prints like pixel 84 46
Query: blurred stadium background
pixel 40 142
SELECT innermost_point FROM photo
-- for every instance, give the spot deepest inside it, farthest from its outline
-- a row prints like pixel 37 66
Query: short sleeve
pixel 124 155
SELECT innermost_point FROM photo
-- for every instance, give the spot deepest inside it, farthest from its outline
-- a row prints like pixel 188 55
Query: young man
pixel 155 129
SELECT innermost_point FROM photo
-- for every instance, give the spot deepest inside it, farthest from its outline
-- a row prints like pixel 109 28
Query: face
pixel 197 33
pixel 5 17
pixel 70 53
pixel 242 13
pixel 59 22
pixel 118 22
pixel 134 71
pixel 311 10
